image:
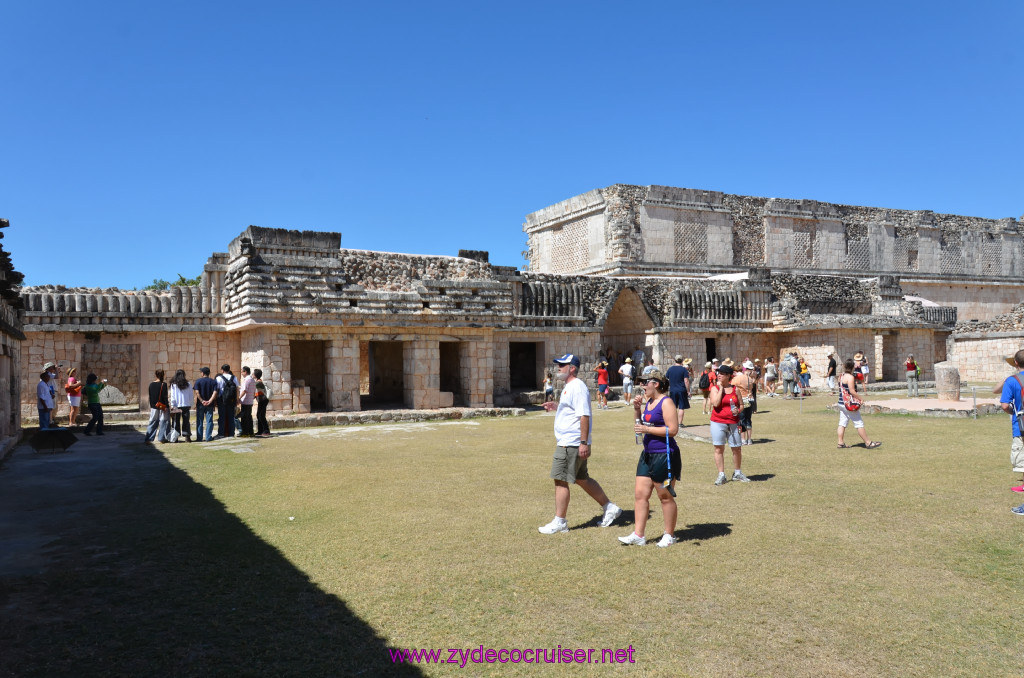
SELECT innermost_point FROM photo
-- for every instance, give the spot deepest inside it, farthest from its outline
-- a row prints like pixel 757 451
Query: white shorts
pixel 725 434
pixel 846 416
pixel 832 383
pixel 75 400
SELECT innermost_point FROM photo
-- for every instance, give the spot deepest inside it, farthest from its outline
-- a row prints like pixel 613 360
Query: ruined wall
pixel 680 228
pixel 168 351
pixel 980 357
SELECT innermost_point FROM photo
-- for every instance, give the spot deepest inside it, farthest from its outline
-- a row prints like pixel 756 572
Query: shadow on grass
pixel 146 573
pixel 628 517
pixel 761 477
pixel 699 532
pixel 758 441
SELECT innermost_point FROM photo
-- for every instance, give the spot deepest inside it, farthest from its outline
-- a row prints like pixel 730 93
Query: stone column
pixel 343 374
pixel 947 380
pixel 421 374
pixel 478 366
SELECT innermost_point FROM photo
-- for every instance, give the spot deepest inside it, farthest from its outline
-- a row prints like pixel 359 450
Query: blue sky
pixel 137 138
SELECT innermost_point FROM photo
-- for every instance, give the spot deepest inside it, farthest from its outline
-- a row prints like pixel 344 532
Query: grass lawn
pixel 901 561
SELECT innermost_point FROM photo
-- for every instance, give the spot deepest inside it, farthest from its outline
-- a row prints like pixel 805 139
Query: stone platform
pixel 929 407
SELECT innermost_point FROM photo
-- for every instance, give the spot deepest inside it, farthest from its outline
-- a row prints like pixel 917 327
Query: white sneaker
pixel 721 480
pixel 610 514
pixel 667 540
pixel 738 475
pixel 556 525
pixel 633 540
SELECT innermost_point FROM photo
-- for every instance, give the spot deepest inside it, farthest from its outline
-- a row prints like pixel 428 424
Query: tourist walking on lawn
pixel 246 398
pixel 848 385
pixel 771 376
pixel 747 386
pixel 725 429
pixel 74 390
pixel 181 404
pixel 262 400
pixel 227 398
pixel 92 396
pixel 656 420
pixel 912 371
pixel 573 433
pixel 679 388
pixel 44 400
pixel 1012 402
pixel 159 406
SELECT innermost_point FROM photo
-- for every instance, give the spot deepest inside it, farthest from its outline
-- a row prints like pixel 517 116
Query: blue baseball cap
pixel 568 359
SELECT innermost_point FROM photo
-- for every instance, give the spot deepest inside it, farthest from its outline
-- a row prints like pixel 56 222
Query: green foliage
pixel 182 281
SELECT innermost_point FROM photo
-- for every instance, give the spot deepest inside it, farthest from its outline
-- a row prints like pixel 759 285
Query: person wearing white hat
pixel 573 433
pixel 627 379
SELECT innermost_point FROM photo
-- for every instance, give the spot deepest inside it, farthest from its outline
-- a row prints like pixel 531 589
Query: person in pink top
pixel 246 398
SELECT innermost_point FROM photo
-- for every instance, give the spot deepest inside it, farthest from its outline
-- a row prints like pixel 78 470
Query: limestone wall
pixel 980 357
pixel 677 227
pixel 972 299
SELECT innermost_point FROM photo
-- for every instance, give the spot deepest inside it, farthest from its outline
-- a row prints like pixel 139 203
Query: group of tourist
pixel 730 398
pixel 47 398
pixel 170 403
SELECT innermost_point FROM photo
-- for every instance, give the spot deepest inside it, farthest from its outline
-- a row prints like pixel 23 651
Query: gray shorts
pixel 567 465
pixel 725 434
pixel 1017 455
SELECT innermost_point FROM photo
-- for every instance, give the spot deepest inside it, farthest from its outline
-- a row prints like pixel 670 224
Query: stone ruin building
pixel 668 270
pixel 11 338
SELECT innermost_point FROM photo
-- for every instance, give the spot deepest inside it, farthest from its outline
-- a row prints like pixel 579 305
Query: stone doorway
pixel 385 376
pixel 309 368
pixel 626 329
pixel 522 365
pixel 451 373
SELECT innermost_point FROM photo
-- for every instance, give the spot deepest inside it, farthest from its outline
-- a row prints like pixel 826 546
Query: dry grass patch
pixel 899 561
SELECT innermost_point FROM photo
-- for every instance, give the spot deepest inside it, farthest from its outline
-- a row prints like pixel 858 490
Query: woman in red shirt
pixel 602 384
pixel 912 388
pixel 725 424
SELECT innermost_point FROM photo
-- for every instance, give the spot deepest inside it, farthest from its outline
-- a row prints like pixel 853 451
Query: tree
pixel 182 281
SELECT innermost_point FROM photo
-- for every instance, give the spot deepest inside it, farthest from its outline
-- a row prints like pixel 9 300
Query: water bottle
pixel 636 436
pixel 733 408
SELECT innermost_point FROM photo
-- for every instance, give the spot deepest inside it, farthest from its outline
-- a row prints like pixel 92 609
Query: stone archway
pixel 626 328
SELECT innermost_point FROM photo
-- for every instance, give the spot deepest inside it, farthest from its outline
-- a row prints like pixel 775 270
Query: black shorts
pixel 654 466
pixel 681 399
pixel 745 418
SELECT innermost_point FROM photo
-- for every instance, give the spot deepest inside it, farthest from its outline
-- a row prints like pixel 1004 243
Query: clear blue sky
pixel 139 137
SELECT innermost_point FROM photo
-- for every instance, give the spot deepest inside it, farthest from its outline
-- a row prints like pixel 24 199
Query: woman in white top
pixel 181 400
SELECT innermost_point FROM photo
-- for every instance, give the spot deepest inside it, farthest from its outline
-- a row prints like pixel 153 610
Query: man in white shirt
pixel 627 379
pixel 572 449
pixel 246 398
pixel 45 399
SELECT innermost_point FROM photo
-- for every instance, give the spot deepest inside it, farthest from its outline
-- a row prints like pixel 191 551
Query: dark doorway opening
pixel 709 350
pixel 451 372
pixel 309 366
pixel 385 376
pixel 522 365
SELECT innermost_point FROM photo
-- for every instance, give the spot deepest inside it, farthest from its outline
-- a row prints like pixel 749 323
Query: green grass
pixel 902 561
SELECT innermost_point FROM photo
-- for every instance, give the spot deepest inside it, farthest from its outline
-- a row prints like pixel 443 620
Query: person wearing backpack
pixel 1012 402
pixel 849 408
pixel 227 388
pixel 707 377
pixel 912 371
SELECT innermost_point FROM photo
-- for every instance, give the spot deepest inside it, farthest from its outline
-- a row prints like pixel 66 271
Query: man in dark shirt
pixel 830 373
pixel 206 402
pixel 679 387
